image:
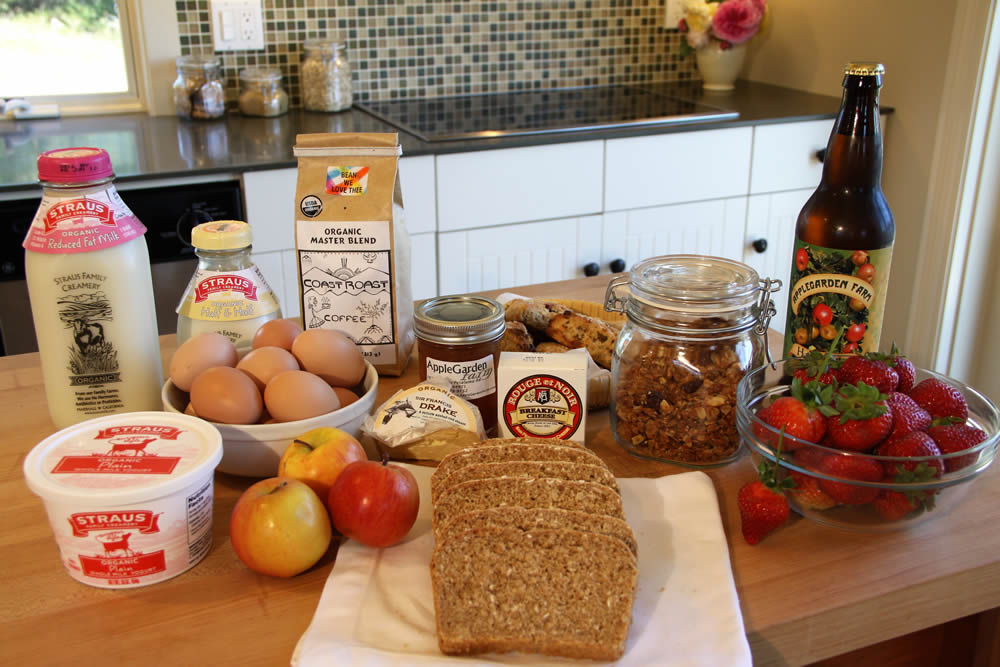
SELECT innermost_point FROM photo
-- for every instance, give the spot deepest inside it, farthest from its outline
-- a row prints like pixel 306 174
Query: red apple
pixel 279 527
pixel 374 503
pixel 319 456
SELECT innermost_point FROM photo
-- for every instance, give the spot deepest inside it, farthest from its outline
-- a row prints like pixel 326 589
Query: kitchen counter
pixel 807 592
pixel 145 147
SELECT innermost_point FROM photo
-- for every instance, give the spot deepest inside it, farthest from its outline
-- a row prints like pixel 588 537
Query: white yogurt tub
pixel 129 496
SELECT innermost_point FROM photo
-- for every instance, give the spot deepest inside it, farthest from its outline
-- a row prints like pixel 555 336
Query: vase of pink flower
pixel 717 31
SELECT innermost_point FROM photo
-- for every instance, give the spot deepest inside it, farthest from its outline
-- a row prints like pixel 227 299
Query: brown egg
pixel 276 333
pixel 295 395
pixel 264 363
pixel 227 396
pixel 345 395
pixel 198 353
pixel 189 410
pixel 330 355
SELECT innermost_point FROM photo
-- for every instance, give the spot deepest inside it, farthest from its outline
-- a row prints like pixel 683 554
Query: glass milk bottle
pixel 91 292
pixel 228 293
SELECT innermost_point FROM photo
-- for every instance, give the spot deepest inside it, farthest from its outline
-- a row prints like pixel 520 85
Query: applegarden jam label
pixel 835 291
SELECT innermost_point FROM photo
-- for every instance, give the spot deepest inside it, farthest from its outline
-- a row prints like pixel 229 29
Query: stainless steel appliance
pixel 540 112
pixel 169 213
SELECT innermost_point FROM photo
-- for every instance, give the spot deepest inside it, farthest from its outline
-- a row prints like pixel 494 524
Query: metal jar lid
pixel 458 320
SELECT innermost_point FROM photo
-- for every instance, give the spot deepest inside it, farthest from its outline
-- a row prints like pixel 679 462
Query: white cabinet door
pixel 534 252
pixel 423 248
pixel 269 264
pixel 701 228
pixel 678 167
pixel 784 155
pixel 772 218
pixel 519 184
pixel 416 180
pixel 270 200
pixel 290 272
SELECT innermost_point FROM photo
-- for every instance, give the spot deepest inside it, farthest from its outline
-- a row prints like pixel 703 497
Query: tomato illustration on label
pixel 835 295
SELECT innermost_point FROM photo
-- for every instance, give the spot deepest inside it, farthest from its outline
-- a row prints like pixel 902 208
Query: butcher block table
pixel 807 592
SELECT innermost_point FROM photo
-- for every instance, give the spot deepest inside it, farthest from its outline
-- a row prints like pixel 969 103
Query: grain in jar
pixel 326 76
pixel 696 325
pixel 261 93
pixel 198 90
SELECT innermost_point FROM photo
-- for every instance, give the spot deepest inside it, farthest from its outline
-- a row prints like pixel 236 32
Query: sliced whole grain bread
pixel 529 441
pixel 556 592
pixel 512 451
pixel 541 519
pixel 530 493
pixel 528 470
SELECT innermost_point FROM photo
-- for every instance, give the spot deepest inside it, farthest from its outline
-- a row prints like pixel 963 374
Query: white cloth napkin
pixel 377 608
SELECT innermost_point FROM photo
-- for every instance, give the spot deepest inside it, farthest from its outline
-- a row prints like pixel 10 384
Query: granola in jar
pixel 696 325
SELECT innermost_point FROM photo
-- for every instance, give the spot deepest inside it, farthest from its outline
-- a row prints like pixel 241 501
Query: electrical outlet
pixel 237 25
pixel 674 13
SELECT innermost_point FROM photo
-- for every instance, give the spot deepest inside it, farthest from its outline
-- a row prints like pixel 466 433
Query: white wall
pixel 806 47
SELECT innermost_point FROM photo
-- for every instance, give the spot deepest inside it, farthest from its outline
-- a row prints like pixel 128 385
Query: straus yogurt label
pixel 131 452
pixel 82 224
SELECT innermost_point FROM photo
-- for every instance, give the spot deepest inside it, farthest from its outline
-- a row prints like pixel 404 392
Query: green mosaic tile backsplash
pixel 433 48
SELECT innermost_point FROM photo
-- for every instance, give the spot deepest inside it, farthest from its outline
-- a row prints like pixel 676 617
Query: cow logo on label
pixel 93 358
pixel 119 561
pixel 543 406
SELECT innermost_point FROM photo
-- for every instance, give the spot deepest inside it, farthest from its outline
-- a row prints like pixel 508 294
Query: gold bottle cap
pixel 222 235
pixel 864 69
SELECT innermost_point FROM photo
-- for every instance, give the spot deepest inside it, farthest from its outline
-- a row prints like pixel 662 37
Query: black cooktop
pixel 539 112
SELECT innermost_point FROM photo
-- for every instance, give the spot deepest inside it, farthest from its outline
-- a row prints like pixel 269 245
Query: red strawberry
pixel 907 416
pixel 817 365
pixel 859 419
pixel 809 458
pixel 940 399
pixel 953 438
pixel 915 444
pixel 808 494
pixel 904 367
pixel 797 414
pixel 850 467
pixel 893 505
pixel 761 510
pixel 875 373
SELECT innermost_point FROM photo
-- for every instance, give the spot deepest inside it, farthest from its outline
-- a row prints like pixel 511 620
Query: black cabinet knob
pixel 617 265
pixel 760 245
pixel 821 154
pixel 591 269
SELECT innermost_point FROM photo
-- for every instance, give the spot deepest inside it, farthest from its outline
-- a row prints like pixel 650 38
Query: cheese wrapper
pixel 543 395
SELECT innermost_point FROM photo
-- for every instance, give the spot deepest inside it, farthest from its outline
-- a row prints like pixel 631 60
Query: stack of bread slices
pixel 532 552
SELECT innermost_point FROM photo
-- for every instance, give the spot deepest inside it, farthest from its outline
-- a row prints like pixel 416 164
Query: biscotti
pixel 538 519
pixel 530 493
pixel 555 592
pixel 511 451
pixel 598 474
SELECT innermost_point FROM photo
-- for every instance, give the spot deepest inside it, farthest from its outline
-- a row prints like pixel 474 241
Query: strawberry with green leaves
pixel 797 414
pixel 817 365
pixel 904 368
pixel 912 445
pixel 873 372
pixel 851 468
pixel 807 492
pixel 907 416
pixel 893 505
pixel 940 399
pixel 859 418
pixel 954 438
pixel 762 502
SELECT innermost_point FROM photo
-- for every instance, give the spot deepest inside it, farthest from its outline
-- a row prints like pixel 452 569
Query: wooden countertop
pixel 807 592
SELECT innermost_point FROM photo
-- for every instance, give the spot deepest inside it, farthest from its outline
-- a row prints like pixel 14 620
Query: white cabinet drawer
pixel 532 252
pixel 699 228
pixel 679 167
pixel 423 270
pixel 270 200
pixel 518 184
pixel 784 155
pixel 416 179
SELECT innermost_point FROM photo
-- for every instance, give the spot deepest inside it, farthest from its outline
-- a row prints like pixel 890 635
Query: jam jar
pixel 695 326
pixel 458 341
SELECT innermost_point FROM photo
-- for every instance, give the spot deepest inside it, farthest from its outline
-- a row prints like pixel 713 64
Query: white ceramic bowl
pixel 255 449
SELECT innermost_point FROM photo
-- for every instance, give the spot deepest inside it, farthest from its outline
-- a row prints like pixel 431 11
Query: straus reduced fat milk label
pixel 352 246
pixel 82 224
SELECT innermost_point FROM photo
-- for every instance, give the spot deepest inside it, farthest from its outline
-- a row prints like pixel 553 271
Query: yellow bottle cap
pixel 864 69
pixel 222 235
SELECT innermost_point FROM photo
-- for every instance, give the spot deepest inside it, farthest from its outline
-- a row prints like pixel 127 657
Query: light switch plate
pixel 237 25
pixel 674 13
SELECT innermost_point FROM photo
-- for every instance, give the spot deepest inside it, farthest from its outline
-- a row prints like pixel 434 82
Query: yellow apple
pixel 279 527
pixel 318 456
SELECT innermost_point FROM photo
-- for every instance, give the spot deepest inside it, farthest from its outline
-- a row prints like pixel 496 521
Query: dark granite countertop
pixel 145 147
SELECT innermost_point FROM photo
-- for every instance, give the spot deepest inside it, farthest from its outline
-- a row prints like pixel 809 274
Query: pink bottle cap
pixel 74 165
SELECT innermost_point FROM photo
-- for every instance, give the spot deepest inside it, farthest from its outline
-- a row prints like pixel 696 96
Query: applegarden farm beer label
pixel 835 292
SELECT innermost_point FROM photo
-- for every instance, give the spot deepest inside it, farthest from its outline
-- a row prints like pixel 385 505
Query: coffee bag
pixel 352 246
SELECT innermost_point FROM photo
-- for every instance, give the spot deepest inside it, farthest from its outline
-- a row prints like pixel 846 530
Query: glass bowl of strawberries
pixel 866 442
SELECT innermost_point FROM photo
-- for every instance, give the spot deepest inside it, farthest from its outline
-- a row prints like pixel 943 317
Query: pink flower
pixel 737 21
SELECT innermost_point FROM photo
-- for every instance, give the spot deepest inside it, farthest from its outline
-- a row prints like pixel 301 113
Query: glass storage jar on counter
pixel 326 76
pixel 198 90
pixel 261 93
pixel 696 325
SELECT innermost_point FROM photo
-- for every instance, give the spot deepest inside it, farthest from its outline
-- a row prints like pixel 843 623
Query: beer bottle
pixel 844 233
